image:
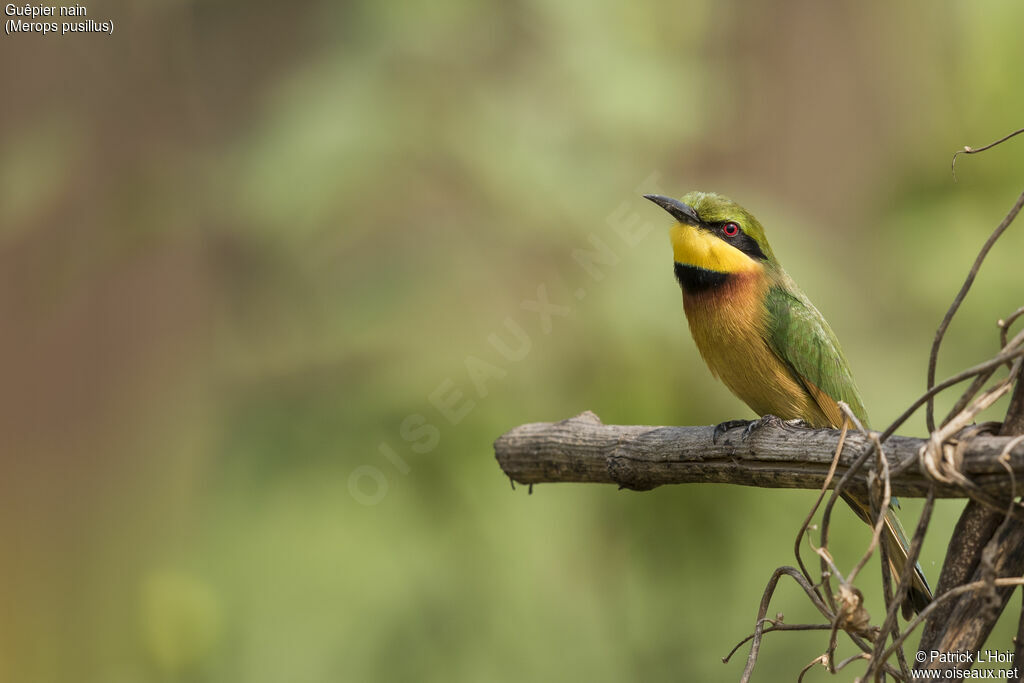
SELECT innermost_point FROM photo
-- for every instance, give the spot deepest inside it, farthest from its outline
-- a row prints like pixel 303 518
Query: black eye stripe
pixel 741 240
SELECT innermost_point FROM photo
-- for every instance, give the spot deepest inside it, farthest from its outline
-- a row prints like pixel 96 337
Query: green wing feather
pixel 799 334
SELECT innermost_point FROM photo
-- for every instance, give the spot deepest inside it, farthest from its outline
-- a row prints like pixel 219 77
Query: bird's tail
pixel 919 594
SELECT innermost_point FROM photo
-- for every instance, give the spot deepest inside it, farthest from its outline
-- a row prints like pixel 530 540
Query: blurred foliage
pixel 181 621
pixel 242 243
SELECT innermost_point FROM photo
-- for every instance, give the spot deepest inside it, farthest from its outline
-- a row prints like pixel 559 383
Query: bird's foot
pixel 764 421
pixel 798 423
pixel 751 426
pixel 722 427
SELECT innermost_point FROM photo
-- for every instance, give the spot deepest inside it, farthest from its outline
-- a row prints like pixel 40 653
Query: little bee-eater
pixel 762 336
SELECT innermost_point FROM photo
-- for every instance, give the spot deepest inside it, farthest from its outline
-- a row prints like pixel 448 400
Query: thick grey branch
pixel 583 449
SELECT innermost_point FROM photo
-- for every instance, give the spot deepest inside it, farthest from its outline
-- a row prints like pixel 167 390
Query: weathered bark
pixel 583 449
pixel 973 531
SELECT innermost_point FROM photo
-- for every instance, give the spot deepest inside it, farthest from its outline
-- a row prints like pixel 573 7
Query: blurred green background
pixel 254 256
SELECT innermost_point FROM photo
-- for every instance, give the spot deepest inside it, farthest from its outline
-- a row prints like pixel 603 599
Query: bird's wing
pixel 800 336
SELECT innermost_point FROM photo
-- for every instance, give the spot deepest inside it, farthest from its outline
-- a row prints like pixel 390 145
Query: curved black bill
pixel 683 213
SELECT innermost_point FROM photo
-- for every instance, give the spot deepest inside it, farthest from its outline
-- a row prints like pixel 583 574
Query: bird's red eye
pixel 730 229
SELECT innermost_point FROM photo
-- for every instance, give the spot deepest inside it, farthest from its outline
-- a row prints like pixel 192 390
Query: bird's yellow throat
pixel 695 247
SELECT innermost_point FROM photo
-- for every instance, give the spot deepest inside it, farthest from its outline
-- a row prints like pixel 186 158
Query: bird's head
pixel 715 233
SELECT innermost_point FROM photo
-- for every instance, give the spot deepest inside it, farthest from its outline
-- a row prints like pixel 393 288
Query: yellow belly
pixel 728 328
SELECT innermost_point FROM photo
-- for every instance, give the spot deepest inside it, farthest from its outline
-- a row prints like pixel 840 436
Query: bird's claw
pixel 764 421
pixel 722 427
pixel 751 426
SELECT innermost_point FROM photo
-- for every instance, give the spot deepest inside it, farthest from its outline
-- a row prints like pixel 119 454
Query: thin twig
pixel 849 660
pixel 906 576
pixel 1004 324
pixel 876 534
pixel 974 150
pixel 776 626
pixel 951 381
pixel 826 516
pixel 941 332
pixel 979 381
pixel 769 591
pixel 817 503
pixel 968 394
pixel 820 659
